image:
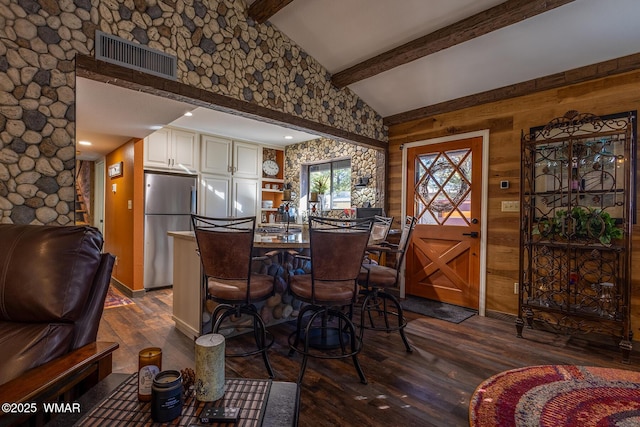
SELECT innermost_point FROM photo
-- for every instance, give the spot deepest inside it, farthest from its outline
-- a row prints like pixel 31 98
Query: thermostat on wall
pixel 504 184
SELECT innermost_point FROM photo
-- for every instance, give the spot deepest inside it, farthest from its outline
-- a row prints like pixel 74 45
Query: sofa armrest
pixel 80 369
pixel 87 325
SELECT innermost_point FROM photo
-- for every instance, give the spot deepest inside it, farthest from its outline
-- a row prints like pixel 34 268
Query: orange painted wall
pixel 118 218
pixel 138 217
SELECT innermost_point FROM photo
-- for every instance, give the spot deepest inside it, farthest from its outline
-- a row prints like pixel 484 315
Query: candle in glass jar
pixel 287 195
pixel 166 401
pixel 149 364
pixel 313 196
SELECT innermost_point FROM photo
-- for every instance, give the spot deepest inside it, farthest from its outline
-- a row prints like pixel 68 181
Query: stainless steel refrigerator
pixel 169 201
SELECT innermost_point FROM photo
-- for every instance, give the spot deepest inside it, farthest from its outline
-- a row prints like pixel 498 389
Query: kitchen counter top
pixel 279 240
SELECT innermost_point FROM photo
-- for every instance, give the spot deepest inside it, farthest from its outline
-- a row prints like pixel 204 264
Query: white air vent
pixel 122 52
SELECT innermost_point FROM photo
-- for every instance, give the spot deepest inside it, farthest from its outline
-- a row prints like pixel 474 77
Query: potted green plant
pixel 551 227
pixel 596 224
pixel 582 223
pixel 320 184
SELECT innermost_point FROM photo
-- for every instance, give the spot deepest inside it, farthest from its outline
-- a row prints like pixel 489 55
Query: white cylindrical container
pixel 210 367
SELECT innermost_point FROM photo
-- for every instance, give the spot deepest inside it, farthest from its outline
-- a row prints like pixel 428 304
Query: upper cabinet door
pixel 171 149
pixel 185 151
pixel 216 155
pixel 157 149
pixel 246 160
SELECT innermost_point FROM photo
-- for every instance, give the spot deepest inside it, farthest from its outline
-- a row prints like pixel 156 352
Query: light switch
pixel 130 204
pixel 113 187
pixel 510 206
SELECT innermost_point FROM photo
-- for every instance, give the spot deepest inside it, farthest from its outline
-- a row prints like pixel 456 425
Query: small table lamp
pixel 313 201
pixel 286 198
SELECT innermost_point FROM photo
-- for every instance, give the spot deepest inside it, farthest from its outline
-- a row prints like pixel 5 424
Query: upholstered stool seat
pixel 232 290
pixel 328 292
pixel 382 276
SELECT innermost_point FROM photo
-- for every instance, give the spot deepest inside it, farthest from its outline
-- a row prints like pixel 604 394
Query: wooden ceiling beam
pixel 566 78
pixel 261 10
pixel 500 16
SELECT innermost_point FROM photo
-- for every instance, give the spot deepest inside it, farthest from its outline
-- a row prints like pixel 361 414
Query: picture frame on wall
pixel 115 170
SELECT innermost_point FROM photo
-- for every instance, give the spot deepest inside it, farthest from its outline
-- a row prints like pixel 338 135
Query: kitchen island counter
pixel 189 292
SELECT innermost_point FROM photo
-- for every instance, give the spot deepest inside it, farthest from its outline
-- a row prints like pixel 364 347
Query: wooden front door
pixel 444 184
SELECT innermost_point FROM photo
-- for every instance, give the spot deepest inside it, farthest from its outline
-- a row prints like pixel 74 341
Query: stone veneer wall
pixel 217 47
pixel 365 162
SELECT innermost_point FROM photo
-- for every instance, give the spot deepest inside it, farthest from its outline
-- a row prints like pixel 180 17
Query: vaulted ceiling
pixel 409 59
pixel 412 58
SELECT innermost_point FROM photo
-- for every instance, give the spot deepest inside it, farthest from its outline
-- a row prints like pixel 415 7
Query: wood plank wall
pixel 505 120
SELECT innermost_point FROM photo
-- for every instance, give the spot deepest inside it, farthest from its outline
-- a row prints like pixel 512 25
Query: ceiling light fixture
pixel 288 137
pixel 188 114
pixel 84 142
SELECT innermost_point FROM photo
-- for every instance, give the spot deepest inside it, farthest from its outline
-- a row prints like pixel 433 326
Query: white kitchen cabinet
pixel 246 160
pixel 171 149
pixel 217 155
pixel 222 156
pixel 245 201
pixel 228 196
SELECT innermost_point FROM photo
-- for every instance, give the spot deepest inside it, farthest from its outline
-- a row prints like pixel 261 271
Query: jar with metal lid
pixel 166 396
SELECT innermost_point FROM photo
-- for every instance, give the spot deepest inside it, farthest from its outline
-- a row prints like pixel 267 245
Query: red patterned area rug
pixel 115 299
pixel 556 395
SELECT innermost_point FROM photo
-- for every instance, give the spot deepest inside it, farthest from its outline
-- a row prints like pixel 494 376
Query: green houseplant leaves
pixel 581 223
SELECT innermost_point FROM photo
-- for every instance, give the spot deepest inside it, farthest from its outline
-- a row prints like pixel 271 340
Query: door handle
pixel 473 234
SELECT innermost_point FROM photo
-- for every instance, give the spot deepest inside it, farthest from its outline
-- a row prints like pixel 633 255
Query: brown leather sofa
pixel 53 284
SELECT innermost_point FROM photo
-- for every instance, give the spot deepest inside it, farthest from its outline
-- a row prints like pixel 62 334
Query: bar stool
pixel 225 246
pixel 337 248
pixel 377 279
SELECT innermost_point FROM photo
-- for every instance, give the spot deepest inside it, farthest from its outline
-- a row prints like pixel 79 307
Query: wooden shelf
pixel 268 153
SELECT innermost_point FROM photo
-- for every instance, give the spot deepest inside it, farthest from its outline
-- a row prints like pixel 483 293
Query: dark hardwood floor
pixel 430 387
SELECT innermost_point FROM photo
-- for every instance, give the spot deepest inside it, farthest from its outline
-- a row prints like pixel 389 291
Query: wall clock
pixel 270 168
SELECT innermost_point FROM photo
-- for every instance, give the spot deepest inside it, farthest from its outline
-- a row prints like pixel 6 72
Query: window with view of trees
pixel 332 182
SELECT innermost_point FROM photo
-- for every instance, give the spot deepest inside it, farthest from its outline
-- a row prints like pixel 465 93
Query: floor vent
pixel 113 49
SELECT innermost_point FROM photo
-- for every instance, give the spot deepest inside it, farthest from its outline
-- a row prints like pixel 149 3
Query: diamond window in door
pixel 442 188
